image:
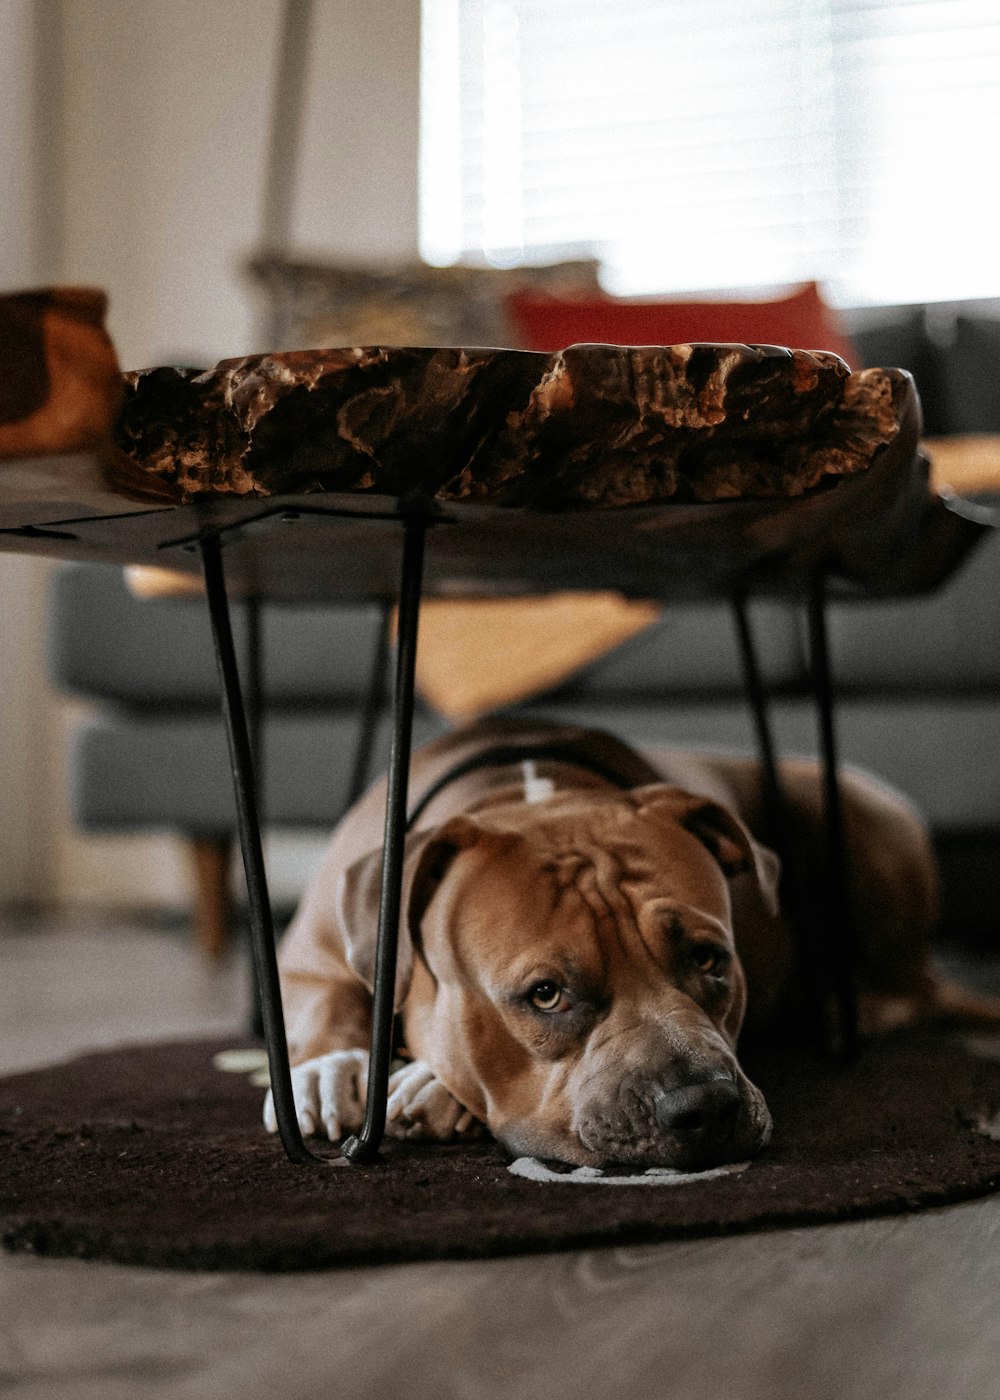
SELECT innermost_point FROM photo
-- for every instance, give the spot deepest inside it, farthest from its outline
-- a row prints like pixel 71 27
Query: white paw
pixel 421 1107
pixel 329 1095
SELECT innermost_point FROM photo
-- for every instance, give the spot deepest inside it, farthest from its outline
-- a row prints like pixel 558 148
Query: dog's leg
pixel 954 1005
pixel 895 898
pixel 330 1093
pixel 328 1023
pixel 421 1107
pixel 940 1002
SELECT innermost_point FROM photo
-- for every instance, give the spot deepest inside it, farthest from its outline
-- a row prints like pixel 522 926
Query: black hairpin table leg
pixel 255 697
pixel 371 709
pixel 777 822
pixel 253 707
pixel 774 803
pixel 261 924
pixel 364 1146
pixel 841 941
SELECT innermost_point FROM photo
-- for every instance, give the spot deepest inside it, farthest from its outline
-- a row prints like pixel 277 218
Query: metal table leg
pixel 841 942
pixel 255 696
pixel 253 708
pixel 261 924
pixel 775 813
pixel 364 1146
pixel 372 708
pixel 777 821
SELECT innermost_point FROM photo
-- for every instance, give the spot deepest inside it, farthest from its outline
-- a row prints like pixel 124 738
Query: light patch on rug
pixel 988 1124
pixel 240 1061
pixel 534 1170
pixel 251 1062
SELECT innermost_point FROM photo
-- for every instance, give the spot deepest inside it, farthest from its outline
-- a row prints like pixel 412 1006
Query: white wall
pixel 168 110
pixel 135 135
pixel 26 714
pixel 18 179
pixel 357 194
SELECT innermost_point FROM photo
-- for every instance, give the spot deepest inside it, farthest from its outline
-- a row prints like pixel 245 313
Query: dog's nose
pixel 707 1106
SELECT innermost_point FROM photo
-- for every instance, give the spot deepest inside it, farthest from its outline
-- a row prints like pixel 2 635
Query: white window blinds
pixel 695 144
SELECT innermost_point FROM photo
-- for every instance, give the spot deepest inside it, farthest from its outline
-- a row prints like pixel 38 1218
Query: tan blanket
pixel 477 656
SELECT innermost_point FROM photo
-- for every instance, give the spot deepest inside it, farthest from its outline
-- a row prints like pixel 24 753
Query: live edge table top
pixel 658 472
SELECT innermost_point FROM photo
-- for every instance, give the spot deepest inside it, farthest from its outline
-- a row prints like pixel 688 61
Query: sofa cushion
pixel 972 376
pixel 941 644
pixel 897 338
pixel 802 320
pixel 925 748
pixel 408 303
pixel 105 643
pixel 131 772
pixel 694 650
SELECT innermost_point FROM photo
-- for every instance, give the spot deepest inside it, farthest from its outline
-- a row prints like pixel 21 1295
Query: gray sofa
pixel 918 680
pixel 953 351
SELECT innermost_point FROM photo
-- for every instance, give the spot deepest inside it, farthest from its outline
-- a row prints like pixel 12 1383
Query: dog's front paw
pixel 329 1094
pixel 421 1107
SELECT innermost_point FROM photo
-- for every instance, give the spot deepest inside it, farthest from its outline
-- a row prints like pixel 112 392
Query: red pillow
pixel 802 321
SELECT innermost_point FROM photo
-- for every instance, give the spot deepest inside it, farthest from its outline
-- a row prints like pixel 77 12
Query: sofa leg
pixel 213 902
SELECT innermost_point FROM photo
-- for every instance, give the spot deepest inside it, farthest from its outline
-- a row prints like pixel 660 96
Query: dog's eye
pixel 548 996
pixel 708 958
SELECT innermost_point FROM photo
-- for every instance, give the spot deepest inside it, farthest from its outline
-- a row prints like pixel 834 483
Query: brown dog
pixel 584 929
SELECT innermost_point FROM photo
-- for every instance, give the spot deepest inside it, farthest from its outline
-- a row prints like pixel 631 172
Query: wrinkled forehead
pixel 568 863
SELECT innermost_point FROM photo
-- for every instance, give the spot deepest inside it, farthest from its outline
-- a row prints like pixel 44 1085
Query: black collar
pixel 504 755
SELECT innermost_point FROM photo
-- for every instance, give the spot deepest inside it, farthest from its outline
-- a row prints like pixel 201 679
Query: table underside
pixel 881 532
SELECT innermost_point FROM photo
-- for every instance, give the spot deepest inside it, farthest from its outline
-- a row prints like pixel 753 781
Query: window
pixel 698 144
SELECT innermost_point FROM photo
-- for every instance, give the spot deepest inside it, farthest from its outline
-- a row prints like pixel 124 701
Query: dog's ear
pixel 428 854
pixel 729 841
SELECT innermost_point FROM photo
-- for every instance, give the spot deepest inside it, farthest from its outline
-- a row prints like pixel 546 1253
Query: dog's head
pixel 568 971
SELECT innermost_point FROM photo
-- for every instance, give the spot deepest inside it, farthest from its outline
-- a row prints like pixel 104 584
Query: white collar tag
pixel 536 789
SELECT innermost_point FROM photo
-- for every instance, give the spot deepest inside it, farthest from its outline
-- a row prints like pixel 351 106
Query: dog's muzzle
pixel 693 1119
pixel 708 1109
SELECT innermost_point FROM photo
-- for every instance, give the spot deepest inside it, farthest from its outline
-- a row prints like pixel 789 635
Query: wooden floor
pixel 906 1307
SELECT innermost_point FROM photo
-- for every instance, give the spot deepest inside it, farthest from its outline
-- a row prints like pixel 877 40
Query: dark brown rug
pixel 149 1155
